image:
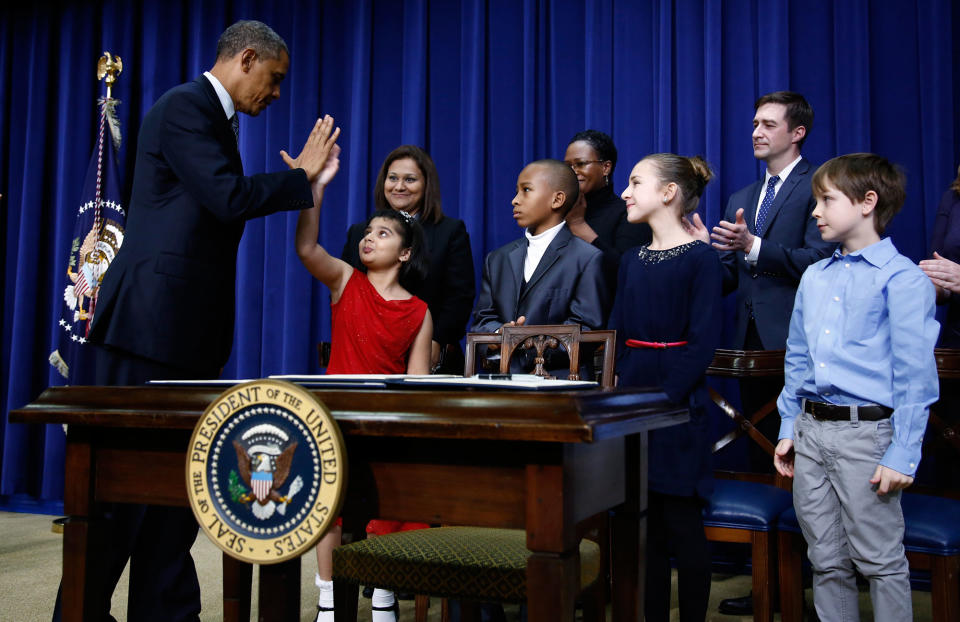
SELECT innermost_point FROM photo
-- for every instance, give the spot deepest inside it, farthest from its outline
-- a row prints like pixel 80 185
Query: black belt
pixel 832 412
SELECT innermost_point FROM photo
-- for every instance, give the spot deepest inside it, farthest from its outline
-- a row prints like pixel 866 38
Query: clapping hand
pixel 945 274
pixel 694 227
pixel 732 236
pixel 319 145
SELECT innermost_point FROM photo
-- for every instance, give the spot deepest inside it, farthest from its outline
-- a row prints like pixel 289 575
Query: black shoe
pixel 742 606
pixel 367 591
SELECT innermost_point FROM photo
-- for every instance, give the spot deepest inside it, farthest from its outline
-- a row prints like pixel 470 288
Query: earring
pixel 664 200
pixel 606 180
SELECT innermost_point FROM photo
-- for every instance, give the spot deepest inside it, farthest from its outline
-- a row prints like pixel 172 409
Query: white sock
pixel 326 599
pixel 383 599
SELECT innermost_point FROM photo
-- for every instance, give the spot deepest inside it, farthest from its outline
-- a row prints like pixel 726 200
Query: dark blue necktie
pixel 765 205
pixel 235 124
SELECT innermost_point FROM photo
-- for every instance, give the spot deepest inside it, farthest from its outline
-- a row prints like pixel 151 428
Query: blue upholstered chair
pixel 932 540
pixel 748 512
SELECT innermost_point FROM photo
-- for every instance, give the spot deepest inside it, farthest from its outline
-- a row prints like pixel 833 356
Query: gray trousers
pixel 845 522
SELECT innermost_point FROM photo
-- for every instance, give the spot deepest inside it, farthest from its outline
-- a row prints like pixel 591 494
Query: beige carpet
pixel 30 556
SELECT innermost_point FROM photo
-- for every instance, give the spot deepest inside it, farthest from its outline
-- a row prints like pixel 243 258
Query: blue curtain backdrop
pixel 484 85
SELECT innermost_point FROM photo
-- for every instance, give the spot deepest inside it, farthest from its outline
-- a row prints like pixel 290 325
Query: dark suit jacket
pixel 790 243
pixel 169 294
pixel 568 286
pixel 449 287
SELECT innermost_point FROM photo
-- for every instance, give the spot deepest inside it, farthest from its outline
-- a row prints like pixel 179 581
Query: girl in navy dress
pixel 666 313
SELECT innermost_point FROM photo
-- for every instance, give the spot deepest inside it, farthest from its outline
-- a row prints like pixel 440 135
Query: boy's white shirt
pixel 536 247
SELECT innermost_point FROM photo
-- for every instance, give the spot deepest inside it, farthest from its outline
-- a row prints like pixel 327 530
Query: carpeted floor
pixel 30 556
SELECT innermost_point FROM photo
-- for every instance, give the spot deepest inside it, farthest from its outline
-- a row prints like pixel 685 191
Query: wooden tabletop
pixel 553 416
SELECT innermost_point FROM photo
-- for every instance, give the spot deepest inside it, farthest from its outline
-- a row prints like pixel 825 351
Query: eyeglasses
pixel 579 165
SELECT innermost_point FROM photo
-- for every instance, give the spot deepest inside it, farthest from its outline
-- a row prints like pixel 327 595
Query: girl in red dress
pixel 378 326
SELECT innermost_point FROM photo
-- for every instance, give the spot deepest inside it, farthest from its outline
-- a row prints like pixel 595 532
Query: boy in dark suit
pixel 549 276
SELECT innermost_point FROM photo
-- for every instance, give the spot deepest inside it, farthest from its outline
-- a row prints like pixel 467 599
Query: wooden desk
pixel 539 461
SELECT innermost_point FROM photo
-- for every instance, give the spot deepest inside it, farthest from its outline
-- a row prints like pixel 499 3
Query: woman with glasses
pixel 600 215
pixel 408 182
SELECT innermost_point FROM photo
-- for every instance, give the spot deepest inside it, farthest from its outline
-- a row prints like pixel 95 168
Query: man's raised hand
pixel 316 150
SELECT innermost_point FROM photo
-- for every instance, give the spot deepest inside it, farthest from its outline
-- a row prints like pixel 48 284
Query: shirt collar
pixel 877 254
pixel 225 100
pixel 784 173
pixel 543 238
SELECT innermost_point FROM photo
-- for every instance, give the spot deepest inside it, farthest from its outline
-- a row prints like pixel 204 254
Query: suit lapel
pixel 515 258
pixel 550 257
pixel 798 173
pixel 224 130
pixel 750 211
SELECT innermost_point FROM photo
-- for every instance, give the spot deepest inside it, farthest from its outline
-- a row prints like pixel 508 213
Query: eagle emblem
pixel 264 456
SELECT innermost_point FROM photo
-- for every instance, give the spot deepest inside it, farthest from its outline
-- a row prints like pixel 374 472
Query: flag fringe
pixel 57 361
pixel 113 122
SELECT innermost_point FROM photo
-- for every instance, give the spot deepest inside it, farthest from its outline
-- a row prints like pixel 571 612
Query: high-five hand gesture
pixel 315 151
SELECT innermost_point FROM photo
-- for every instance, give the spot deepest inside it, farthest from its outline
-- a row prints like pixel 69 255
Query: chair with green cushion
pixel 474 564
pixel 477 564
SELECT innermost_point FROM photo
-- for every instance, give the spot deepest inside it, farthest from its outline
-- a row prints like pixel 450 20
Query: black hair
pixel 414 270
pixel 562 179
pixel 429 209
pixel 798 113
pixel 254 35
pixel 601 143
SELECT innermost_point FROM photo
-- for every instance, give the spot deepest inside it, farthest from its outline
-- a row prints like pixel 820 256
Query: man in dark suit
pixel 768 234
pixel 768 238
pixel 549 276
pixel 166 305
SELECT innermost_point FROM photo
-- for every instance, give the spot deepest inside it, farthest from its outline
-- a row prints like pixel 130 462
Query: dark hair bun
pixel 702 171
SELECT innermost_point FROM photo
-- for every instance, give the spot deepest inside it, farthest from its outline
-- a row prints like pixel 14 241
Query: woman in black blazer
pixel 408 181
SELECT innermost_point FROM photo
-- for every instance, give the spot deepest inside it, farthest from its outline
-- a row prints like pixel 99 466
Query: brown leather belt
pixel 832 412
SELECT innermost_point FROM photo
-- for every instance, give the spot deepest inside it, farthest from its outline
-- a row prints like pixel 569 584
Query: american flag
pixel 97 236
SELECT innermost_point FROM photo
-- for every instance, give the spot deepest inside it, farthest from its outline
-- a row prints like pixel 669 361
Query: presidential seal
pixel 266 471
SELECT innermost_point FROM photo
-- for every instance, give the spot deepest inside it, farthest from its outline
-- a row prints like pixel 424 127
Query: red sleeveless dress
pixel 371 335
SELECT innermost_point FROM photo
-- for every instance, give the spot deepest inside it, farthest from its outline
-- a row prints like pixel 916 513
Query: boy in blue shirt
pixel 860 377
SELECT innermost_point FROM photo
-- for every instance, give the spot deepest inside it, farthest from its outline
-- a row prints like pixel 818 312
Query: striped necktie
pixel 235 124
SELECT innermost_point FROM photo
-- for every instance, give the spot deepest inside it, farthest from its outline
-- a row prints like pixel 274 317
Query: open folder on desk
pixel 527 382
pixel 394 381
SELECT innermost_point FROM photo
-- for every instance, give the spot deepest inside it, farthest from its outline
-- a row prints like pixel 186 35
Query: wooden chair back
pixel 568 336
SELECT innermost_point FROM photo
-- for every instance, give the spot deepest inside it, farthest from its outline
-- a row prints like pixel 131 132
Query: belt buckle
pixel 813 411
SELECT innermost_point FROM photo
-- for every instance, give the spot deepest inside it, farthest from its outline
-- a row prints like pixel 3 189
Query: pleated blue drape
pixel 484 85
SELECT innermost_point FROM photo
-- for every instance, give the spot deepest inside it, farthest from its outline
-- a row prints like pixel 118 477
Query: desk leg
pixel 553 568
pixel 237 582
pixel 280 592
pixel 628 536
pixel 80 582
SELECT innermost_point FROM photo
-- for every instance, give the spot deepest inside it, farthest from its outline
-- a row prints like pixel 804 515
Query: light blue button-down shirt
pixel 863 332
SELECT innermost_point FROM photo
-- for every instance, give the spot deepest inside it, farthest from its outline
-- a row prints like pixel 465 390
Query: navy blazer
pixel 790 243
pixel 568 286
pixel 169 294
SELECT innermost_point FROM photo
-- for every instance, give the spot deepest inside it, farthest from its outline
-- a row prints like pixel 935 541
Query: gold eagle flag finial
pixel 109 68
